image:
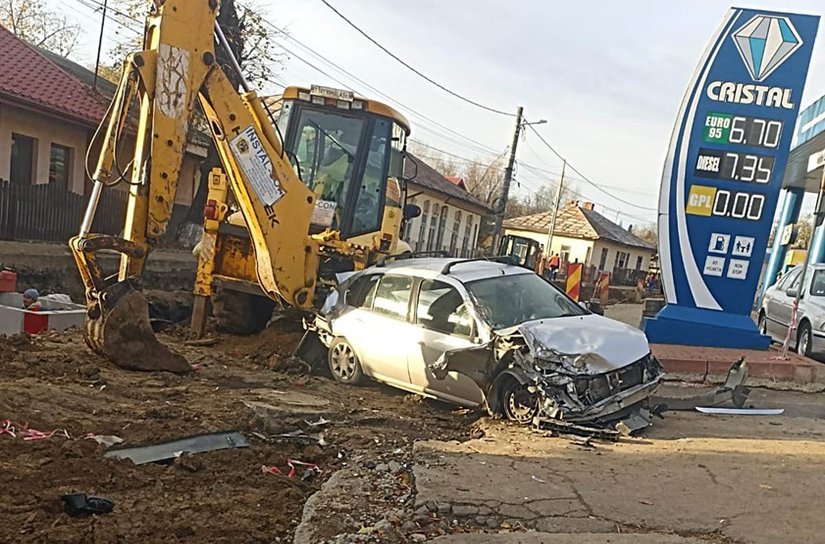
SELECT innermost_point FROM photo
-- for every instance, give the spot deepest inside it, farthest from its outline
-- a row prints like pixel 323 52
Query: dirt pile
pixel 54 382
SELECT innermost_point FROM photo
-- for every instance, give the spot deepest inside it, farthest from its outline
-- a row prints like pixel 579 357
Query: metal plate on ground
pixel 172 449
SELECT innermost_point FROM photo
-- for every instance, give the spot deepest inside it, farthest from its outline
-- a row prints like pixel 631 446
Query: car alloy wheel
pixel 803 342
pixel 344 363
pixel 763 324
pixel 519 403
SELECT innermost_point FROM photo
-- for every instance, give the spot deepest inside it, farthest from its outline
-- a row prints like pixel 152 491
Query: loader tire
pixel 241 313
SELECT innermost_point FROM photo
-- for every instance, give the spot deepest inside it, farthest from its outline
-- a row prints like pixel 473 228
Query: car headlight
pixel 553 356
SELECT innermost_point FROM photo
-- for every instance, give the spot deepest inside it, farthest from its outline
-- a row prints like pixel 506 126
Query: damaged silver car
pixel 480 332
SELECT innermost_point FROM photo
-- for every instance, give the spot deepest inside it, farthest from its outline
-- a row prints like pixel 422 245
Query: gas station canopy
pixel 809 141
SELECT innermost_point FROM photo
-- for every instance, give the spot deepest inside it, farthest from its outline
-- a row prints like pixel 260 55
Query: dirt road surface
pixel 394 468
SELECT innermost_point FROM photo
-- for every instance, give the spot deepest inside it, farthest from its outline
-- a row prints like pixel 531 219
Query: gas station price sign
pixel 723 173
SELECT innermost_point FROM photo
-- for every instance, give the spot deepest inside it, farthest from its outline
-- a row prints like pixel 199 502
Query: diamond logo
pixel 765 42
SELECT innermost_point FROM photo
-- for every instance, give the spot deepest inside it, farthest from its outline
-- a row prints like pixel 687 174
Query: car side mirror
pixel 411 211
pixel 792 292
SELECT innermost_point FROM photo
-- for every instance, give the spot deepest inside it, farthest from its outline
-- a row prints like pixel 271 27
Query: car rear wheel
pixel 517 402
pixel 344 363
pixel 803 340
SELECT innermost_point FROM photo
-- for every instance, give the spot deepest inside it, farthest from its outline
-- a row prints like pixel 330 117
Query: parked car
pixel 775 313
pixel 479 332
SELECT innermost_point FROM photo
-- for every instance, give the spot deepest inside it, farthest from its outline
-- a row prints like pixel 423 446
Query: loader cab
pixel 349 152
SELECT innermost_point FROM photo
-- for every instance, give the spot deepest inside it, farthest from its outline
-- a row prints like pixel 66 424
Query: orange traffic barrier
pixel 574 280
pixel 603 287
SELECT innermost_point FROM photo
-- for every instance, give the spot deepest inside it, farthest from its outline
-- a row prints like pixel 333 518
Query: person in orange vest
pixel 553 264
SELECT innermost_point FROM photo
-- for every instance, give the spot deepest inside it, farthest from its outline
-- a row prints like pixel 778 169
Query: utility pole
pixel 100 42
pixel 508 178
pixel 552 230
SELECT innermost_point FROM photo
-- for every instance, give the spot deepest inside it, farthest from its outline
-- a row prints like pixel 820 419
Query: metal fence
pixel 52 213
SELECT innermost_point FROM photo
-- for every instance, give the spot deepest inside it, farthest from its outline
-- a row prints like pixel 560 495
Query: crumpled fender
pixel 493 396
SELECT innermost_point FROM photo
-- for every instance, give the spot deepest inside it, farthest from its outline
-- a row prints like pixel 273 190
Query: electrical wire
pixel 585 178
pixel 412 69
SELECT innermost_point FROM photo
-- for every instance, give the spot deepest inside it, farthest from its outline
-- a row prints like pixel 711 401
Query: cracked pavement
pixel 693 477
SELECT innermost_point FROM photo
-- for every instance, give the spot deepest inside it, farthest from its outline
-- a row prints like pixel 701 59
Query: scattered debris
pixel 28 434
pixel 320 423
pixel 166 451
pixel 202 342
pixel 304 436
pixel 741 411
pixel 537 479
pixel 733 390
pixel 107 440
pixel 310 470
pixel 270 470
pixel 78 504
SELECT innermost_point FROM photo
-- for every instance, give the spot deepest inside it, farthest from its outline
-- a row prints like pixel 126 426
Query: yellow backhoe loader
pixel 301 222
pixel 348 150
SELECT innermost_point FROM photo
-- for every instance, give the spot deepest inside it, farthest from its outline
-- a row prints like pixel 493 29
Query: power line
pixel 415 71
pixel 585 178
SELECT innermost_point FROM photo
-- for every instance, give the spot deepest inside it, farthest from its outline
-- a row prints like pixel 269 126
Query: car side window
pixel 795 282
pixel 362 291
pixel 392 298
pixel 789 277
pixel 441 308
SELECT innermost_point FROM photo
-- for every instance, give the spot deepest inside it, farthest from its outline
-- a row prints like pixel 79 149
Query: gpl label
pixel 700 200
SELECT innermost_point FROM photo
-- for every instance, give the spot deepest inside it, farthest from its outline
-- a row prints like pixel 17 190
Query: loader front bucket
pixel 118 328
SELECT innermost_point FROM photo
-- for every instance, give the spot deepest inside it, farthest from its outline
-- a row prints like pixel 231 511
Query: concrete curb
pixel 692 363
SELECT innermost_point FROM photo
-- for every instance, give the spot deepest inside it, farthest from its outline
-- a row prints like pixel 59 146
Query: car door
pixel 382 334
pixel 779 306
pixel 443 323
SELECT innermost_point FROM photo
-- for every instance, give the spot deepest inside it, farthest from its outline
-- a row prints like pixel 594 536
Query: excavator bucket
pixel 121 332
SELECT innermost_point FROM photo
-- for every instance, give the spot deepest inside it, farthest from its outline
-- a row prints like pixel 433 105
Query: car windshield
pixel 505 301
pixel 818 283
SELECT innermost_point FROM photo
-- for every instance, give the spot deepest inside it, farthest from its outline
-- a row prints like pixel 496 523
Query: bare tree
pixel 32 21
pixel 252 38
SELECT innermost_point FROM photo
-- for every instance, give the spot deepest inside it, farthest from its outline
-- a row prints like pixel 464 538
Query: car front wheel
pixel 803 340
pixel 763 323
pixel 517 402
pixel 344 363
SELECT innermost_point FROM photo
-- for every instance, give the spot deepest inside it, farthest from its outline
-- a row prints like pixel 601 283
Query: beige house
pixel 450 216
pixel 584 235
pixel 48 114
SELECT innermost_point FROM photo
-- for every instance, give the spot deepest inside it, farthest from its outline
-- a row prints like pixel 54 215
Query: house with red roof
pixel 48 114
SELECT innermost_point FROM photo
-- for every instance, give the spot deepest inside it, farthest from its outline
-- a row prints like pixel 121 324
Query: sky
pixel 606 76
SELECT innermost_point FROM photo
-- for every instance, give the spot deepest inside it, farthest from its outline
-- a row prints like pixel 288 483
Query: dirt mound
pixel 54 381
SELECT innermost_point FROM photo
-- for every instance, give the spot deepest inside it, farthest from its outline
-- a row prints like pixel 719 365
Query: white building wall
pixel 431 205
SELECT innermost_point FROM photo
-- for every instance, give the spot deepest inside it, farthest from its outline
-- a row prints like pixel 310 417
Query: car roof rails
pixel 403 256
pixel 501 259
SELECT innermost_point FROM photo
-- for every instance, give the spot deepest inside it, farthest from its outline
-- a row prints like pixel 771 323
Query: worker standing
pixel 553 264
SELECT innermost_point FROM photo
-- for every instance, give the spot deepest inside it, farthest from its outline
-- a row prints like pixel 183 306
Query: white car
pixel 480 332
pixel 775 313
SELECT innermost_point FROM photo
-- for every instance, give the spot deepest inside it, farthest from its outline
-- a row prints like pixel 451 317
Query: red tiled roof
pixel 455 180
pixel 28 78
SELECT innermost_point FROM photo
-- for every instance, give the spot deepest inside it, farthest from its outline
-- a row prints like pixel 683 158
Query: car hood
pixel 585 344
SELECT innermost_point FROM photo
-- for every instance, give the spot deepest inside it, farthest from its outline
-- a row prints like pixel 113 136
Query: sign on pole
pixel 722 176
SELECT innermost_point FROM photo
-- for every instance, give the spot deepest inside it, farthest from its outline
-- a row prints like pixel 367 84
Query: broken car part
pixel 741 411
pixel 733 390
pixel 166 451
pixel 78 504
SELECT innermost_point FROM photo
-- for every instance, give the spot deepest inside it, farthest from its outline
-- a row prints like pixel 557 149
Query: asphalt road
pixel 689 478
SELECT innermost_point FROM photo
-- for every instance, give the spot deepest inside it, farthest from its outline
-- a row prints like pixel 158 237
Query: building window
pixel 454 233
pixel 474 240
pixel 433 227
pixel 639 262
pixel 23 152
pixel 603 259
pixel 621 259
pixel 422 229
pixel 408 225
pixel 442 226
pixel 60 164
pixel 465 243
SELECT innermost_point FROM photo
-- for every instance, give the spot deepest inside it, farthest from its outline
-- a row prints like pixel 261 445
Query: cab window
pixel 441 308
pixel 393 296
pixel 325 146
pixel 369 201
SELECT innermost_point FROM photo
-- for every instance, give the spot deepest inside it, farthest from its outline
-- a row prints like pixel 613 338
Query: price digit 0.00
pixel 738 205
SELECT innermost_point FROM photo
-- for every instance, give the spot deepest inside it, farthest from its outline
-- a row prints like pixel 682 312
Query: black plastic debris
pixel 78 505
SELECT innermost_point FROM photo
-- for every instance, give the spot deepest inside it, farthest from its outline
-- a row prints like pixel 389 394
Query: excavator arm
pixel 175 72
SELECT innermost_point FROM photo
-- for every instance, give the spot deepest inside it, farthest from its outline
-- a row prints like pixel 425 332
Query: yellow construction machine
pixel 282 215
pixel 348 150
